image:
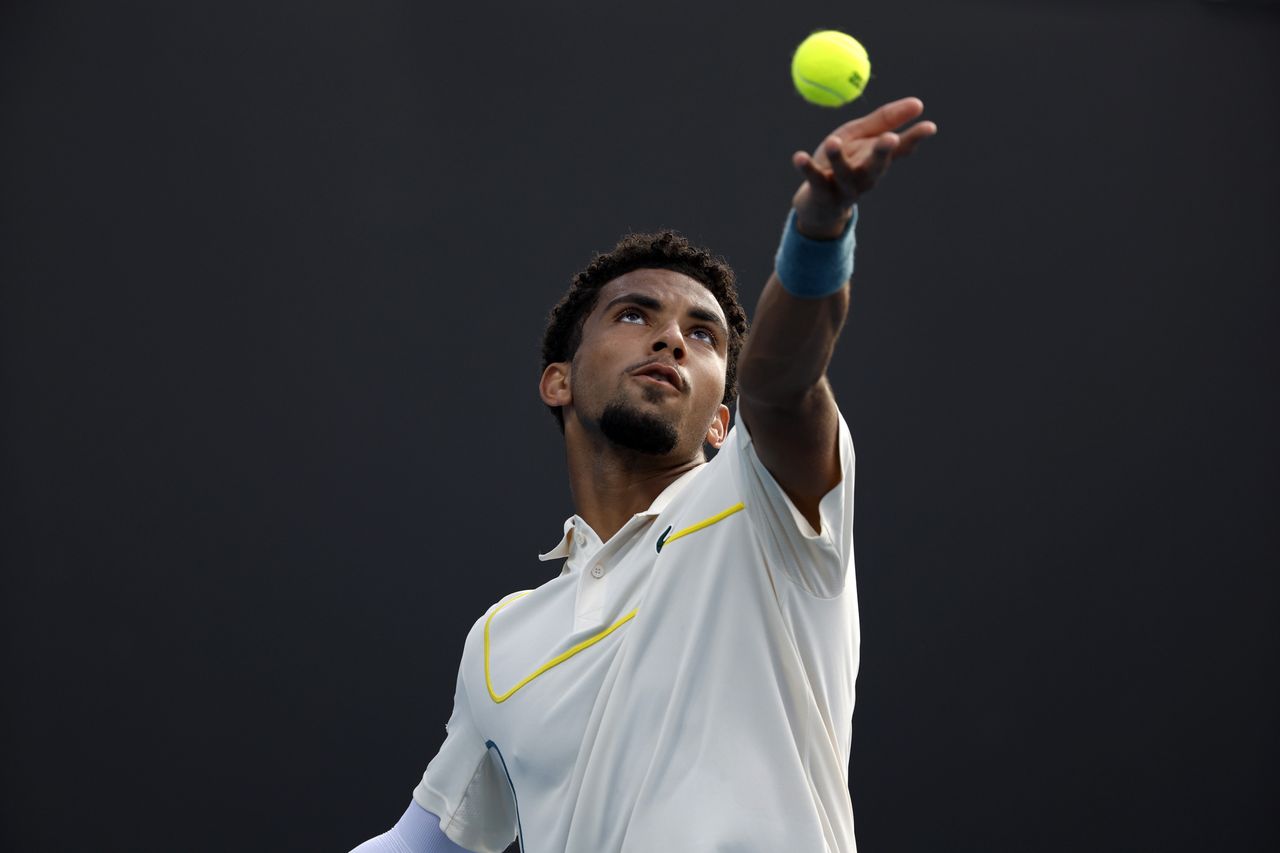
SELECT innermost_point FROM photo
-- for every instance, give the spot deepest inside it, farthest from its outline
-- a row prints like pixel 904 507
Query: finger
pixel 810 169
pixel 827 151
pixel 831 150
pixel 858 177
pixel 881 156
pixel 891 115
pixel 914 137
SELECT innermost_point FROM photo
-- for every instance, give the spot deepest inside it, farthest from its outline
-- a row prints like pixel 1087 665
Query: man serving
pixel 686 683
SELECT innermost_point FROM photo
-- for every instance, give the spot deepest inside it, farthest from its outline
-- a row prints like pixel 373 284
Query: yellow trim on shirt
pixel 706 522
pixel 558 659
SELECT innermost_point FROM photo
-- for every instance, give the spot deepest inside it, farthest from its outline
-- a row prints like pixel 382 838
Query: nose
pixel 669 337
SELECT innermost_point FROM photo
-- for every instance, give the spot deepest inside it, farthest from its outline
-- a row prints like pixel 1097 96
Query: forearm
pixel 800 313
pixel 786 400
pixel 792 339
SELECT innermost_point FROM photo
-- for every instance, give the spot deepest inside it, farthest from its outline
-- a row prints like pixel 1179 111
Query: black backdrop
pixel 274 277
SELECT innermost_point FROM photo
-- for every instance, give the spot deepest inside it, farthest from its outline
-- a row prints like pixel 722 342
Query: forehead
pixel 671 288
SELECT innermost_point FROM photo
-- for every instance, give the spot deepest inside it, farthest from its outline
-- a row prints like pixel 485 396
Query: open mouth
pixel 661 374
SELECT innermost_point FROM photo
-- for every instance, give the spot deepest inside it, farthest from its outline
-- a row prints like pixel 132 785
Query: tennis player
pixel 685 682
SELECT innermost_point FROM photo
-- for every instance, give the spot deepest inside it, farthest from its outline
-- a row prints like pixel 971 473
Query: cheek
pixel 712 384
pixel 590 367
pixel 711 393
pixel 612 349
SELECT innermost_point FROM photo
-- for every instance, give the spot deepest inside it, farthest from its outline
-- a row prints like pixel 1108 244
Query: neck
pixel 611 484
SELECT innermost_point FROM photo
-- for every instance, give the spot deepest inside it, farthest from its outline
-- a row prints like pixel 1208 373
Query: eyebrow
pixel 646 301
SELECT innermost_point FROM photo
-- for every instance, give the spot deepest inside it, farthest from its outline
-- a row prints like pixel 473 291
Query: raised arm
pixel 785 398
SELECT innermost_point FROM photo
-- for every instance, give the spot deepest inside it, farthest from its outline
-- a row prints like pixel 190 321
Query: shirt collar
pixel 561 550
pixel 668 494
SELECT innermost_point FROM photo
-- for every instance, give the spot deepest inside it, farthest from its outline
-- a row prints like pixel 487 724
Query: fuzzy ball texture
pixel 830 68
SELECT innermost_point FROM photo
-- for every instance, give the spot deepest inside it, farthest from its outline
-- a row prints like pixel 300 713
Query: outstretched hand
pixel 850 161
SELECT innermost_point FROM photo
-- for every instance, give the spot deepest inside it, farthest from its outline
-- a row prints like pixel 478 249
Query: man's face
pixel 650 371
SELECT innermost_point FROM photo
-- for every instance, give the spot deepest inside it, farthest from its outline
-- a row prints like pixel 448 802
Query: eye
pixel 706 335
pixel 631 312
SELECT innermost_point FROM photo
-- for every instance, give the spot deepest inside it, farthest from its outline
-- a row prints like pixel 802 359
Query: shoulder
pixel 478 626
pixel 477 635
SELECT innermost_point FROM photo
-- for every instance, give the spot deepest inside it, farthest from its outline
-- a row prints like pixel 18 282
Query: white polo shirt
pixel 686 686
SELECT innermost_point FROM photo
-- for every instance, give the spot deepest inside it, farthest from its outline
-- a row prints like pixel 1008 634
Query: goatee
pixel 636 430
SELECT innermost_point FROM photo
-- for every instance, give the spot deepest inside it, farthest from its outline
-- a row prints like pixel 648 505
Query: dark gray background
pixel 274 278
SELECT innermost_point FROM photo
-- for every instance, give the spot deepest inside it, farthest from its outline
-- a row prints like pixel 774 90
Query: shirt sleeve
pixel 466 785
pixel 818 561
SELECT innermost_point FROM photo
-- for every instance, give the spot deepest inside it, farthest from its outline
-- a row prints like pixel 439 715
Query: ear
pixel 554 385
pixel 719 429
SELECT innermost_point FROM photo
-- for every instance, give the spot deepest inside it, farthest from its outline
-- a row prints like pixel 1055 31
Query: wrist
pixel 812 268
pixel 818 226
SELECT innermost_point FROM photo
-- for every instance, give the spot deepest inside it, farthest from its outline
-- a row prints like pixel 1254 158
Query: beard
pixel 635 430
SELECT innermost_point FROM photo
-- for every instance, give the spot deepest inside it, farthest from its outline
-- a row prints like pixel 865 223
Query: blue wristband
pixel 812 269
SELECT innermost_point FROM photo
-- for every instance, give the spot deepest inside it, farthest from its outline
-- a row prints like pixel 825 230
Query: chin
pixel 639 428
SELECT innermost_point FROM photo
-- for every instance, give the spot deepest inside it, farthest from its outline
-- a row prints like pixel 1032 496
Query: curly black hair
pixel 662 250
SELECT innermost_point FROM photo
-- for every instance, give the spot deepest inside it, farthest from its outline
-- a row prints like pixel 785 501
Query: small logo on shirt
pixel 662 540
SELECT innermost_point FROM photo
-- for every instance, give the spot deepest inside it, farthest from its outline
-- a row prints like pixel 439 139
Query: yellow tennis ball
pixel 830 68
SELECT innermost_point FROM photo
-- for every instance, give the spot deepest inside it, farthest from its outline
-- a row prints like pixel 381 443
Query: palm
pixel 850 161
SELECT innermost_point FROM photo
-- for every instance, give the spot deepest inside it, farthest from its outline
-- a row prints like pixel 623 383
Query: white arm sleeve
pixel 418 831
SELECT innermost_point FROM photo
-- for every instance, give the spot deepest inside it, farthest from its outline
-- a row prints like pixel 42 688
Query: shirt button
pixel 597 571
pixel 581 540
